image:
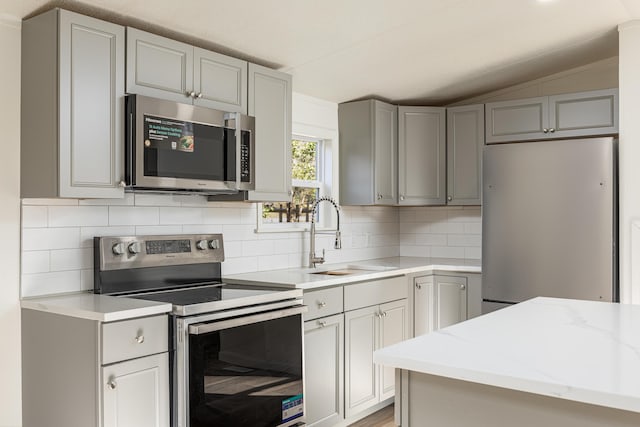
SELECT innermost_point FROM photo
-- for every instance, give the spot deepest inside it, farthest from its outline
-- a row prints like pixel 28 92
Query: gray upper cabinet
pixel 586 113
pixel 270 97
pixel 465 139
pixel 368 153
pixel 558 116
pixel 72 106
pixel 517 120
pixel 421 156
pixel 168 69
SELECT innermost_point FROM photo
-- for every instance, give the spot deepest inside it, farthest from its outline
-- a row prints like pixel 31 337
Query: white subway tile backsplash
pixel 34 239
pixel 174 215
pixel 134 215
pixel 88 233
pixel 57 237
pixel 143 230
pixel 50 283
pixel 35 216
pixel 35 262
pixel 71 259
pixel 74 216
pixel 447 252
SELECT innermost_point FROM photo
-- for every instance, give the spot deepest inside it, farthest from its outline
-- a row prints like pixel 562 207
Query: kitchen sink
pixel 340 272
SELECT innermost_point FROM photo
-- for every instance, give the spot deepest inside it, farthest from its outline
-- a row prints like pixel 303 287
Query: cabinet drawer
pixel 324 302
pixel 134 338
pixel 375 292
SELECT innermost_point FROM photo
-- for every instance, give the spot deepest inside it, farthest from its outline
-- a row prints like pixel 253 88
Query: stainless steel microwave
pixel 183 148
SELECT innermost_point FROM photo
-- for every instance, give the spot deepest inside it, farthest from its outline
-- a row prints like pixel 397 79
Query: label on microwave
pixel 292 408
pixel 165 134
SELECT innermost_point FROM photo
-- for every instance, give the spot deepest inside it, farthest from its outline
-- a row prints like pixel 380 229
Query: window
pixel 310 175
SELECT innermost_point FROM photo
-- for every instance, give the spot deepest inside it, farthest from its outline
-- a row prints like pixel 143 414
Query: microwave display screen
pixel 182 149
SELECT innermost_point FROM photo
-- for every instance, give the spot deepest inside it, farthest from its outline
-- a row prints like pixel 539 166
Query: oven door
pixel 245 371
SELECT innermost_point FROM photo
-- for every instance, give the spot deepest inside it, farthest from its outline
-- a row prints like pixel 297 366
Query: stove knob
pixel 135 248
pixel 201 244
pixel 118 249
pixel 214 244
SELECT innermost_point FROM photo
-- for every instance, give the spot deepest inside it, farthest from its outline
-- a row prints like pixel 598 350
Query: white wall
pixel 629 173
pixel 10 402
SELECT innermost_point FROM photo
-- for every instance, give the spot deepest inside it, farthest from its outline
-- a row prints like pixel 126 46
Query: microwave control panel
pixel 245 157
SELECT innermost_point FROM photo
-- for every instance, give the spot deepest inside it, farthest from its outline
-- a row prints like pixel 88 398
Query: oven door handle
pixel 206 327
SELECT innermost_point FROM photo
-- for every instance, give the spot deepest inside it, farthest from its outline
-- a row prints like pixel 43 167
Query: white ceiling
pixel 427 51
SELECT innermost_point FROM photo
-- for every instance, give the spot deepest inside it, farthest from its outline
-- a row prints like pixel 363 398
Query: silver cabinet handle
pixel 379 196
pixel 418 286
pixel 545 130
pixel 322 323
pixel 449 198
pixel 401 197
pixel 122 184
pixel 322 304
pixel 290 192
pixel 191 94
pixel 552 130
pixel 463 287
pixel 199 95
pixel 384 314
pixel 140 339
pixel 112 384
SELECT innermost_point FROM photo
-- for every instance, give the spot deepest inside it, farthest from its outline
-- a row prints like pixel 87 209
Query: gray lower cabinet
pixel 441 300
pixel 559 116
pixel 368 153
pixel 168 69
pixel 270 98
pixel 82 373
pixel 421 156
pixel 465 139
pixel 324 370
pixel 72 106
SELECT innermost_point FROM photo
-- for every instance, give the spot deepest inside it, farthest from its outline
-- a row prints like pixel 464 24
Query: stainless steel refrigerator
pixel 549 221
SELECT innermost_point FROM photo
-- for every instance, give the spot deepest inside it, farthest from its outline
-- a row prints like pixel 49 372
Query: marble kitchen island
pixel 544 362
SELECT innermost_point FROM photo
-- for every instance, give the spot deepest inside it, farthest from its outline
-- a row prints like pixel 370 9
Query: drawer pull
pixel 322 304
pixel 140 339
pixel 112 384
pixel 322 323
pixel 418 286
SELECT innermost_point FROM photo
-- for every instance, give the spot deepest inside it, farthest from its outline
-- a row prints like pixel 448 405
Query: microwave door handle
pixel 235 118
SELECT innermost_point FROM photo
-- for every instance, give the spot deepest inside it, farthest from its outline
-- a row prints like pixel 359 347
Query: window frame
pixel 324 179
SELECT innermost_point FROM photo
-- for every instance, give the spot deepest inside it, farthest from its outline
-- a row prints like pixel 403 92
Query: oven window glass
pixel 179 149
pixel 249 375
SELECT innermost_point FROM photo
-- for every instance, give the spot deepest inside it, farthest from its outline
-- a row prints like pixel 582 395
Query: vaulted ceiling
pixel 411 51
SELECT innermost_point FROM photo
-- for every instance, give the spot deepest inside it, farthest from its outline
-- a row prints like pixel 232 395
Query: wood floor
pixel 382 418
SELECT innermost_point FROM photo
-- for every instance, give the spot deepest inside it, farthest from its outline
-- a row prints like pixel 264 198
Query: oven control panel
pixel 115 253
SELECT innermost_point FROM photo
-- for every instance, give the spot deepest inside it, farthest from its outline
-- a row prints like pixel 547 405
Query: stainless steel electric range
pixel 236 351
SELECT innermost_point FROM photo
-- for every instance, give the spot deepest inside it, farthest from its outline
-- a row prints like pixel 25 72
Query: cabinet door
pixel 324 370
pixel 394 327
pixel 421 156
pixel 423 305
pixel 136 393
pixel 91 91
pixel 465 139
pixel 582 114
pixel 520 120
pixel 451 297
pixel 361 340
pixel 386 148
pixel 159 67
pixel 220 81
pixel 270 103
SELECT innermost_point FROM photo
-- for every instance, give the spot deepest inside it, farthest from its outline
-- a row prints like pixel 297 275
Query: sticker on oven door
pixel 292 408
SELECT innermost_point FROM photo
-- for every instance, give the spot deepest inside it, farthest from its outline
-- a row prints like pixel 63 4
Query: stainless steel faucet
pixel 313 259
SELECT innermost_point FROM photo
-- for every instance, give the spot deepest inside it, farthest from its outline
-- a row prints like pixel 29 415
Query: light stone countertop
pixel 583 351
pixel 381 268
pixel 103 308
